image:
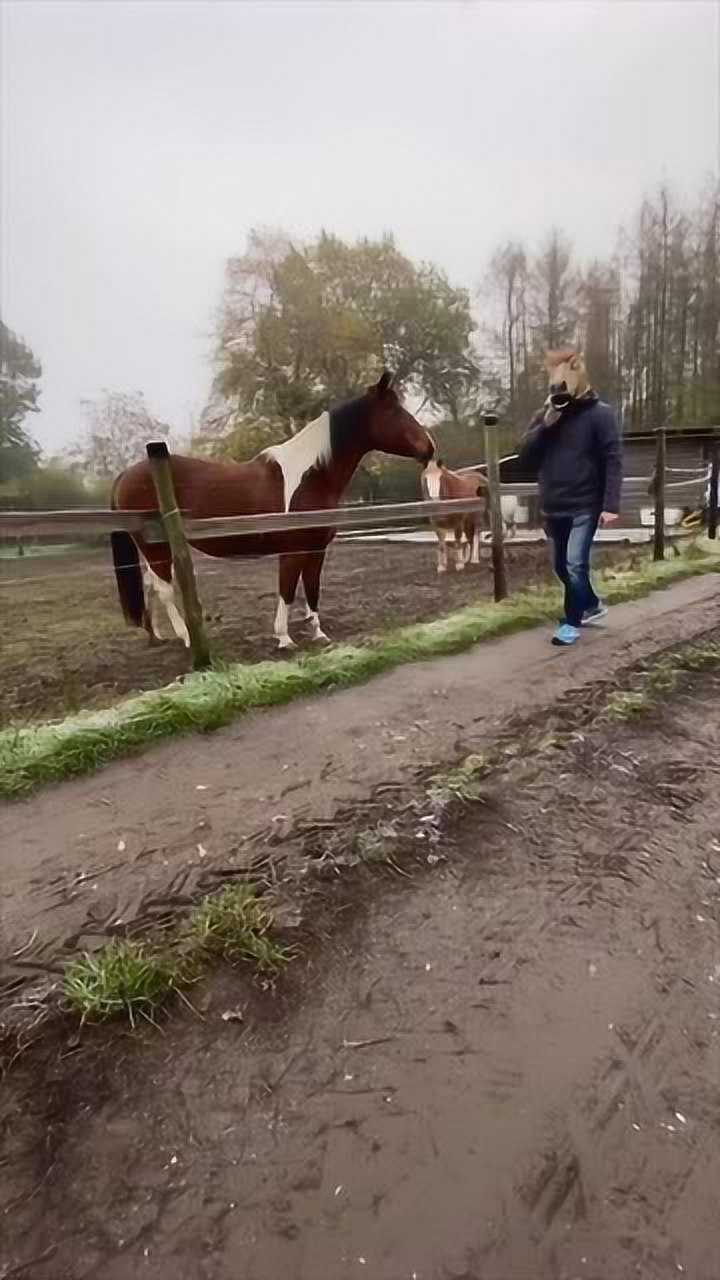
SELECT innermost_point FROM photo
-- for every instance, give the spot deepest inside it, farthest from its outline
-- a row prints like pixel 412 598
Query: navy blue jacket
pixel 578 461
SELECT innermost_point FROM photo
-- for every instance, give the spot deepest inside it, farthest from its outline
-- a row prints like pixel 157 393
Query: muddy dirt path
pixel 505 1068
pixel 79 857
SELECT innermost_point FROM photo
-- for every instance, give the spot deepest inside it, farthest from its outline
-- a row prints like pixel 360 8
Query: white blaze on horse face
pixel 431 478
pixel 310 448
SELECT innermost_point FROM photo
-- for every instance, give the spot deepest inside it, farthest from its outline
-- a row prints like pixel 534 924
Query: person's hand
pixel 608 517
pixel 551 415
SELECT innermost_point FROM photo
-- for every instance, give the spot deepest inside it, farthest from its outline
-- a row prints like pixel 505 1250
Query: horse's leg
pixel 459 548
pixel 289 568
pixel 475 551
pixel 159 584
pixel 311 574
pixel 442 551
pixel 469 534
pixel 150 620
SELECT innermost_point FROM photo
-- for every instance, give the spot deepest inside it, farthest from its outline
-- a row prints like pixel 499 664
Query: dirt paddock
pixel 502 1065
pixel 65 645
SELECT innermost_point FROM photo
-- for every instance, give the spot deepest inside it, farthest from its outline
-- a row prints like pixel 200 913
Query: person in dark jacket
pixel 574 446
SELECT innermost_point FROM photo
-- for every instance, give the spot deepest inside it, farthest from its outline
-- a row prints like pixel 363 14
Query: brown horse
pixel 309 472
pixel 440 483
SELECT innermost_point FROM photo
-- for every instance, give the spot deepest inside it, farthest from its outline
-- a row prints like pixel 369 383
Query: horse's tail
pixel 126 558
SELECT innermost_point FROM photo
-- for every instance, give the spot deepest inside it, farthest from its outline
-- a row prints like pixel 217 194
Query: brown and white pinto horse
pixel 440 483
pixel 309 472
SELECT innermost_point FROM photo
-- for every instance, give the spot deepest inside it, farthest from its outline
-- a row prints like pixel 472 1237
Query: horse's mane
pixel 347 419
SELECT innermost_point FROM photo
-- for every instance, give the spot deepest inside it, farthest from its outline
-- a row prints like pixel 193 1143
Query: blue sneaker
pixel 566 635
pixel 597 614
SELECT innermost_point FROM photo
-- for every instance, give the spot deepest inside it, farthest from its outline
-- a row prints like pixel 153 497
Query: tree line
pixel 647 317
pixel 302 324
pixel 115 429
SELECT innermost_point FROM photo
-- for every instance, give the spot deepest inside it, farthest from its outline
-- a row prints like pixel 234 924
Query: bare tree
pixel 553 290
pixel 117 427
pixel 648 318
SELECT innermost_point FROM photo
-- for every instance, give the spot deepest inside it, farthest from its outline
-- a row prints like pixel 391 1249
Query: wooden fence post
pixel 659 484
pixel 157 452
pixel 496 521
pixel 714 485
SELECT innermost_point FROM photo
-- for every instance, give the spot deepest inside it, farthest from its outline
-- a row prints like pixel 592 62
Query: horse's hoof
pixel 286 643
pixel 321 638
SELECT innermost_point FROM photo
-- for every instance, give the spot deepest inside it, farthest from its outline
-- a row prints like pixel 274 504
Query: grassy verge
pixel 37 754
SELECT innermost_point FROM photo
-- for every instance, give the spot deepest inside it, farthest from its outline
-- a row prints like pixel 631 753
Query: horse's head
pixel 392 429
pixel 567 376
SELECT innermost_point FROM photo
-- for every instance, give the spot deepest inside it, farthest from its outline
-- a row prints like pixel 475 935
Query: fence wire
pixel 679 493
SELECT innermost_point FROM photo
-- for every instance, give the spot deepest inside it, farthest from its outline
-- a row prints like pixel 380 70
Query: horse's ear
pixel 385 382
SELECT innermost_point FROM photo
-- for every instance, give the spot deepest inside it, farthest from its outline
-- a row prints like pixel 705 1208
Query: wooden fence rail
pixel 148 524
pixel 168 525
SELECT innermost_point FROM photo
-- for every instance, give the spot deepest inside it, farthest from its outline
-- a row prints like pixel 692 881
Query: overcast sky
pixel 141 141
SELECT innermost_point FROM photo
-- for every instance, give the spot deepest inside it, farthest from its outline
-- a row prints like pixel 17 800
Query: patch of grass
pixel 373 845
pixel 662 679
pixel 37 754
pixel 131 979
pixel 124 977
pixel 462 782
pixel 236 924
pixel 698 657
pixel 627 705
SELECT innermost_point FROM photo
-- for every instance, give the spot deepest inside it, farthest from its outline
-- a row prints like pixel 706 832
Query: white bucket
pixel 673 516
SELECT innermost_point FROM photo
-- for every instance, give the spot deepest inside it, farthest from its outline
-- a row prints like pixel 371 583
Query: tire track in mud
pixel 565 1191
pixel 483 1076
pixel 637 1078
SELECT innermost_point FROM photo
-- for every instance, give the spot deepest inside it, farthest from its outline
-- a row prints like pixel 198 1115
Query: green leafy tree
pixel 50 486
pixel 302 325
pixel 19 393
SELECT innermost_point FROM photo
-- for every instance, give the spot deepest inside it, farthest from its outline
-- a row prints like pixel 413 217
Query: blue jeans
pixel 571 538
